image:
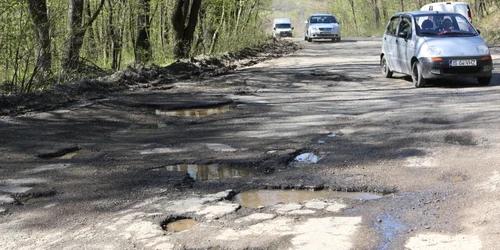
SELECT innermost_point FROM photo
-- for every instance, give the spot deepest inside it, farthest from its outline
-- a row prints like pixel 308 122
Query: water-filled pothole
pixel 209 172
pixel 59 153
pixel 197 112
pixel 178 224
pixel 71 155
pixel 36 200
pixel 263 198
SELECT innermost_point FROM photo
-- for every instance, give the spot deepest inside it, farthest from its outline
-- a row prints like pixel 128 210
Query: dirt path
pixel 416 168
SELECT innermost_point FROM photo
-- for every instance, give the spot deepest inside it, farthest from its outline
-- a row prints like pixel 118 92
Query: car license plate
pixel 455 63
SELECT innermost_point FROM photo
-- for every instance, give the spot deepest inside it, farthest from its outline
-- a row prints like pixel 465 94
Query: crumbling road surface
pixel 232 162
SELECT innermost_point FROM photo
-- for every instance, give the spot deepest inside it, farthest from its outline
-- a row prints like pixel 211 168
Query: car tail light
pixel 486 58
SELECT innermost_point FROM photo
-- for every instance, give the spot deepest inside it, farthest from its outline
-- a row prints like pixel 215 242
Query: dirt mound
pixel 149 77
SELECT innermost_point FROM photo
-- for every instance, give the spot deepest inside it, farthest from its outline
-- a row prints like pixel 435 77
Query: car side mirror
pixel 274 28
pixel 292 28
pixel 478 31
pixel 403 34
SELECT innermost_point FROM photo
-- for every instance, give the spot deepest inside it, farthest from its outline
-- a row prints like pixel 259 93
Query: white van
pixel 457 7
pixel 282 27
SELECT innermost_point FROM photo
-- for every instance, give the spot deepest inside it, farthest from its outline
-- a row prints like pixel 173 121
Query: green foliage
pixel 224 25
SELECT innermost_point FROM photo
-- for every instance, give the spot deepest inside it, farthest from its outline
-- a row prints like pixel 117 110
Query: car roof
pixel 321 15
pixel 422 13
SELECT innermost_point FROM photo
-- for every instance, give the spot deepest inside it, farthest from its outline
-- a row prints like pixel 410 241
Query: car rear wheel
pixel 484 81
pixel 416 75
pixel 386 72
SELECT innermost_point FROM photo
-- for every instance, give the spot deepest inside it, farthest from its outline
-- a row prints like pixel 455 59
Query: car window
pixel 444 24
pixel 405 25
pixel 283 26
pixel 392 26
pixel 322 19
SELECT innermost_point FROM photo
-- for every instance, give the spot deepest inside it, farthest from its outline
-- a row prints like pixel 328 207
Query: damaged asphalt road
pixel 312 150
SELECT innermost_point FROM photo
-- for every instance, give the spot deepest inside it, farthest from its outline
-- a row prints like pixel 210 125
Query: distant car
pixel 322 26
pixel 458 7
pixel 282 27
pixel 431 45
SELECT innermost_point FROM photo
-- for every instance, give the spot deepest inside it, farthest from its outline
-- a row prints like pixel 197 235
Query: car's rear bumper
pixel 433 68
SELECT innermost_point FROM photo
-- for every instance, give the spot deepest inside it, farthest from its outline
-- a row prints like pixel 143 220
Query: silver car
pixel 322 26
pixel 432 45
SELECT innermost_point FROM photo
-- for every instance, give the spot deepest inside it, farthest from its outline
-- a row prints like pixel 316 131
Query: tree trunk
pixel 114 35
pixel 215 36
pixel 351 2
pixel 377 13
pixel 38 11
pixel 76 32
pixel 92 40
pixel 184 33
pixel 142 43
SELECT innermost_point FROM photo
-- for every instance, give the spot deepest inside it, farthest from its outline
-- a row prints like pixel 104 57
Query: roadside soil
pixel 112 167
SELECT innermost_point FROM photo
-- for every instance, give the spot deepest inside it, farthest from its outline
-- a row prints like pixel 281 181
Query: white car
pixel 322 26
pixel 432 45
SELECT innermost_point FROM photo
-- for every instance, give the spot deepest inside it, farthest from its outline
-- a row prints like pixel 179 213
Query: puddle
pixel 210 172
pixel 259 198
pixel 59 153
pixel 72 154
pixel 147 126
pixel 197 112
pixel 181 225
pixel 389 228
pixel 178 224
pixel 37 199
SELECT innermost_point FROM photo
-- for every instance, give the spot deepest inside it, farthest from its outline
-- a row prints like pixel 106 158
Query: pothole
pixel 59 153
pixel 36 200
pixel 329 76
pixel 464 139
pixel 135 127
pixel 71 155
pixel 454 177
pixel 35 197
pixel 178 224
pixel 263 198
pixel 197 112
pixel 209 172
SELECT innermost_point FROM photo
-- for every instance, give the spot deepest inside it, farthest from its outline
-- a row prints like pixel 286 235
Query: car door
pixel 405 44
pixel 390 45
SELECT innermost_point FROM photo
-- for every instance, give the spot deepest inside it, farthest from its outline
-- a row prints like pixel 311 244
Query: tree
pixel 38 12
pixel 76 33
pixel 142 43
pixel 184 11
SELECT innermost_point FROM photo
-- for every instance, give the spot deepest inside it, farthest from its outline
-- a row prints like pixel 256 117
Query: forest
pixel 48 42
